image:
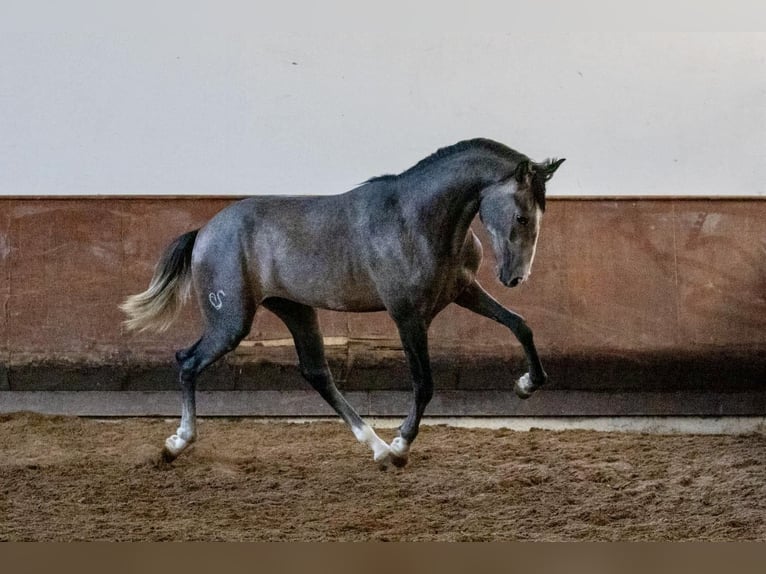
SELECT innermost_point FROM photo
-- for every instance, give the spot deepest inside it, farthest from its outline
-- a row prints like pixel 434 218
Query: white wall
pixel 210 98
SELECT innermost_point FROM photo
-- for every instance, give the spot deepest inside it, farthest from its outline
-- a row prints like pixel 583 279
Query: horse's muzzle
pixel 510 281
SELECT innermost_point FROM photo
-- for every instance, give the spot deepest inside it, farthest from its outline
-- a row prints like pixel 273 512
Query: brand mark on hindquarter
pixel 216 299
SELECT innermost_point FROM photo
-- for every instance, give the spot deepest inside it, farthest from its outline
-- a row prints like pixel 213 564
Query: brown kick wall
pixel 625 294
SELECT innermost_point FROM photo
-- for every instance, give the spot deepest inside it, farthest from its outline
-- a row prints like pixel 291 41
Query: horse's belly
pixel 353 306
pixel 335 301
pixel 330 290
pixel 342 295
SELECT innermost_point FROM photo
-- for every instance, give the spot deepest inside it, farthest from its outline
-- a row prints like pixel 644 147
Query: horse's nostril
pixel 514 282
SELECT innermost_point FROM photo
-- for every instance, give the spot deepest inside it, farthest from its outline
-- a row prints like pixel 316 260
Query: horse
pixel 400 243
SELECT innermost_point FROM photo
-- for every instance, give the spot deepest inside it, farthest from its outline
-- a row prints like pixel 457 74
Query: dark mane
pixel 478 143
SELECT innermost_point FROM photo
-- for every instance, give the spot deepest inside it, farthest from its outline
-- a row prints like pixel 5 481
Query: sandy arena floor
pixel 64 478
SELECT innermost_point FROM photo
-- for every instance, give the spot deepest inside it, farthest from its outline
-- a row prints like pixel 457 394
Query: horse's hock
pixel 639 307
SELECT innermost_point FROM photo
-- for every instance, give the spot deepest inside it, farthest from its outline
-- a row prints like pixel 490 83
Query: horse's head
pixel 512 212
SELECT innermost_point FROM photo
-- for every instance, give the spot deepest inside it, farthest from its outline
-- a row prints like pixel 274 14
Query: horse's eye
pixel 522 220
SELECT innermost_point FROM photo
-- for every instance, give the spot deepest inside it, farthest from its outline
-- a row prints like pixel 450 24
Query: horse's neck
pixel 448 196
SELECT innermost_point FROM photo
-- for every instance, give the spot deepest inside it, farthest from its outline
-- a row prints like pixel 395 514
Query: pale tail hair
pixel 156 308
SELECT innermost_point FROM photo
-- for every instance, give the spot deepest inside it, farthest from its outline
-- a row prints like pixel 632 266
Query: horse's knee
pixel 210 348
pixel 523 333
pixel 424 394
pixel 183 354
pixel 318 377
pixel 188 368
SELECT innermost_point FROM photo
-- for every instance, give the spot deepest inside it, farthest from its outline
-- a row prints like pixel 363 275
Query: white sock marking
pixel 525 384
pixel 367 436
pixel 176 445
pixel 400 447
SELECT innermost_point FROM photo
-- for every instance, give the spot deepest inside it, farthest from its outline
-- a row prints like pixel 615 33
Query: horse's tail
pixel 156 308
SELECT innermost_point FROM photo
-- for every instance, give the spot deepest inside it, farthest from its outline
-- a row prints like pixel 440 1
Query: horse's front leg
pixel 476 299
pixel 414 335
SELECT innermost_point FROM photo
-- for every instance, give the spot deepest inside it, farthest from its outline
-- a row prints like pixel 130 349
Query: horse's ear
pixel 551 166
pixel 522 171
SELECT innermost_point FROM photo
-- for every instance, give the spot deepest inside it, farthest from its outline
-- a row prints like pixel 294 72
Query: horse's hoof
pixel 174 445
pixel 384 463
pixel 400 452
pixel 382 457
pixel 390 460
pixel 524 388
pixel 166 458
pixel 399 461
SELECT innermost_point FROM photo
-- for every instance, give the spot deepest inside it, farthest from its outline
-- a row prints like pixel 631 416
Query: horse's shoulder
pixel 472 249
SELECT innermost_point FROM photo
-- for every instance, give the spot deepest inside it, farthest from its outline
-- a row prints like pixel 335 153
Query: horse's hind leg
pixel 303 324
pixel 228 322
pixel 187 430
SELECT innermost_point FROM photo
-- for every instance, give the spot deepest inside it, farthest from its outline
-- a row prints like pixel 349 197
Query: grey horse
pixel 399 243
